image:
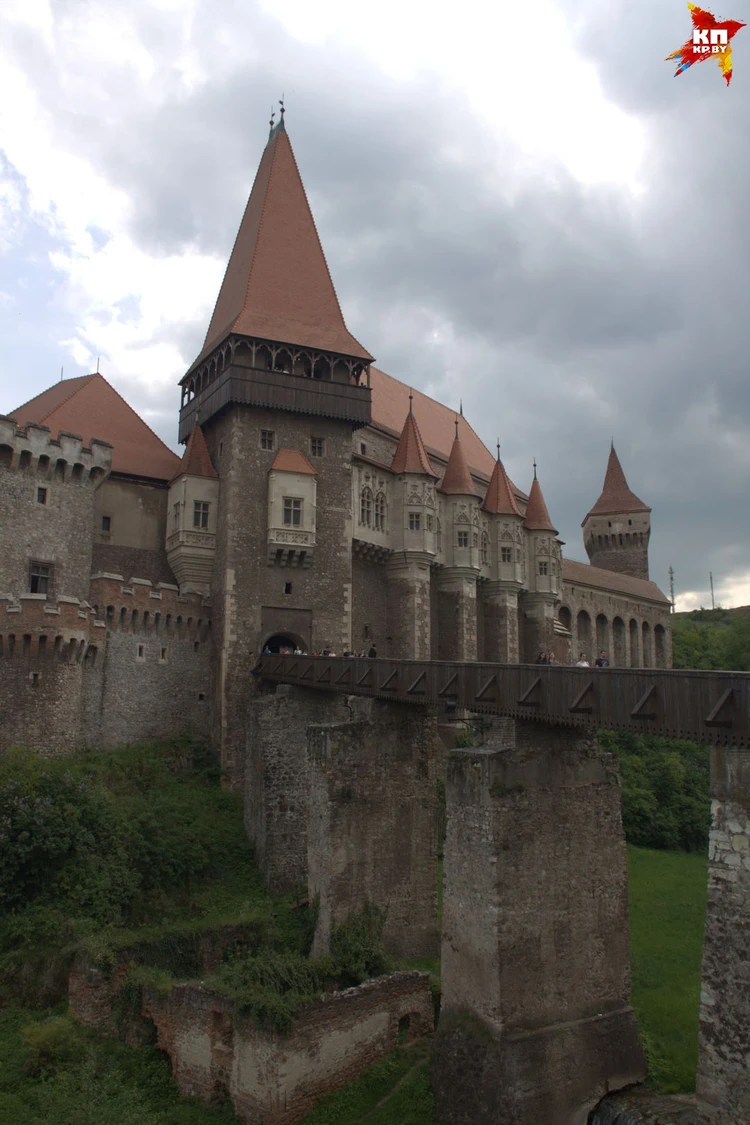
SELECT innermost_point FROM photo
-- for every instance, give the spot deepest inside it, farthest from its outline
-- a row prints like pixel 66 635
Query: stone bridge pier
pixel 536 1024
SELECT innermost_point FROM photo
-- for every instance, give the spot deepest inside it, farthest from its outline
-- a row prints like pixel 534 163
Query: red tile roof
pixel 277 284
pixel 411 455
pixel 90 406
pixel 196 460
pixel 616 496
pixel 581 574
pixel 457 479
pixel 292 461
pixel 500 500
pixel 537 516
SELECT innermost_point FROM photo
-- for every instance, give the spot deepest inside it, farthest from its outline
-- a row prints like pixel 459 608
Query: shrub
pixel 52 1043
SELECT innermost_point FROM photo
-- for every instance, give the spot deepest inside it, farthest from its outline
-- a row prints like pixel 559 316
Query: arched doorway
pixel 280 642
pixel 564 617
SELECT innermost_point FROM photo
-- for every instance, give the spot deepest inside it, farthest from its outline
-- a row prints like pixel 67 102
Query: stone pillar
pixel 501 641
pixel 723 1082
pixel 535 1024
pixel 373 829
pixel 538 625
pixel 276 779
pixel 409 606
pixel 457 614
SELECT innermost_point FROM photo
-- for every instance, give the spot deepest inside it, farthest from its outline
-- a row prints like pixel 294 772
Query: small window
pixel 485 549
pixel 543 567
pixel 287 587
pixel 196 646
pixel 365 507
pixel 609 523
pixel 475 540
pixel 35 678
pixel 506 554
pixel 267 439
pixel 41 495
pixel 201 697
pixel 176 517
pixel 292 512
pixel 317 446
pixel 140 652
pixel 415 521
pixel 40 578
pixel 428 521
pixel 163 655
pixel 106 523
pixel 463 539
pixel 362 448
pixel 380 512
pixel 221 448
pixel 630 523
pixel 200 513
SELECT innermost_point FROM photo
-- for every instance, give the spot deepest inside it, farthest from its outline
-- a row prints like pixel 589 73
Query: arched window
pixel 635 648
pixel 484 551
pixel 583 630
pixel 564 617
pixel 365 507
pixel 380 511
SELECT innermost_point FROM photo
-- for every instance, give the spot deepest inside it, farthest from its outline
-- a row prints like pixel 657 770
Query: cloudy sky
pixel 521 207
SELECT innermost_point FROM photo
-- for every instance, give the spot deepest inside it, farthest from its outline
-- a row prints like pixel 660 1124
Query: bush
pixel 52 1043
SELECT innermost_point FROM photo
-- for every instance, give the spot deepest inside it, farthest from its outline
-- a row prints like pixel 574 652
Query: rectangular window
pixel 267 438
pixel 200 513
pixel 163 656
pixel 415 521
pixel 292 512
pixel 463 539
pixel 106 523
pixel 428 521
pixel 543 568
pixel 317 446
pixel 506 554
pixel 176 517
pixel 41 495
pixel 362 448
pixel 287 587
pixel 140 652
pixel 40 578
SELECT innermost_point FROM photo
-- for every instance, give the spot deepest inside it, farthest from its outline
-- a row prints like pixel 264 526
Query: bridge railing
pixel 703 706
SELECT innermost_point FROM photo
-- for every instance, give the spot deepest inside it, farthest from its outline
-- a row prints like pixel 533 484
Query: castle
pixel 319 503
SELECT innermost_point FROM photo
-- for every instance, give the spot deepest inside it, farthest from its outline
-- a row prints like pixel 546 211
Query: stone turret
pixel 192 515
pixel 462 554
pixel 543 574
pixel 506 568
pixel 617 529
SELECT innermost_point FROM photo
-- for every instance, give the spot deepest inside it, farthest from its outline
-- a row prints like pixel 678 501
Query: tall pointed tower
pixel 543 576
pixel 277 389
pixel 506 564
pixel 617 530
pixel 457 581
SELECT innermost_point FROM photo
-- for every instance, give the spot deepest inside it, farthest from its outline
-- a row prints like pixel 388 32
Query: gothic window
pixel 475 540
pixel 506 554
pixel 317 446
pixel 292 512
pixel 380 512
pixel 40 578
pixel 365 507
pixel 428 521
pixel 176 517
pixel 415 521
pixel 463 539
pixel 543 567
pixel 485 549
pixel 200 514
pixel 267 439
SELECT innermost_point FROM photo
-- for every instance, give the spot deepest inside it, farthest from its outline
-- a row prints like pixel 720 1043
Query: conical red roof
pixel 277 285
pixel 537 516
pixel 196 460
pixel 457 480
pixel 411 455
pixel 616 496
pixel 500 500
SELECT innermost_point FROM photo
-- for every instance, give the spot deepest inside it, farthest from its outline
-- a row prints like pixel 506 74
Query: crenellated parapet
pixel 35 629
pixel 143 607
pixel 32 448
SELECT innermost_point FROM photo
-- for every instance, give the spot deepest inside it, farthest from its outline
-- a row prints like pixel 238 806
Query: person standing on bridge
pixel 582 661
pixel 601 660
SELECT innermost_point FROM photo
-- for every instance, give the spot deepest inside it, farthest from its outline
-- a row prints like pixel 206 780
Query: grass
pixel 667 908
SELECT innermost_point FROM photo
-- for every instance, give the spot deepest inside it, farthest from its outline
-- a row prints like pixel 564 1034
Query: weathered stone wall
pixel 272 1078
pixel 277 780
pixel 723 1083
pixel 535 1024
pixel 457 616
pixel 370 623
pixel 623 642
pixel 409 608
pixel 373 826
pixel 132 562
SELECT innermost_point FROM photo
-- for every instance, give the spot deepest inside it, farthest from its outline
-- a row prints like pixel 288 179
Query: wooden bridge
pixel 709 707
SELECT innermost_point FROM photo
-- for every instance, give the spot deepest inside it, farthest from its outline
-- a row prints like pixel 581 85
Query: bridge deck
pixel 704 706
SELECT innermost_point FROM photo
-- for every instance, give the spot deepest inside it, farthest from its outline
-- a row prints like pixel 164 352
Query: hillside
pixel 712 639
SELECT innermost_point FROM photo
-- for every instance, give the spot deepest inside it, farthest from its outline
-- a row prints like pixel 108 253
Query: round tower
pixel 617 530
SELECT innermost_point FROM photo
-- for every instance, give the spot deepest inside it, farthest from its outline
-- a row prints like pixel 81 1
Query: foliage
pixel 396 1091
pixel 711 639
pixel 665 790
pixel 667 906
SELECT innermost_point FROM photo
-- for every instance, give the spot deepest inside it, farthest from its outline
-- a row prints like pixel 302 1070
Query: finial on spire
pixel 411 400
pixel 283 108
pixel 535 468
pixel 461 407
pixel 498 449
pixel 272 122
pixel 456 428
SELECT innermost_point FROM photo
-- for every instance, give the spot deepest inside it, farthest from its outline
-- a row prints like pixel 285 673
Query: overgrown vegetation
pixel 665 790
pixel 712 639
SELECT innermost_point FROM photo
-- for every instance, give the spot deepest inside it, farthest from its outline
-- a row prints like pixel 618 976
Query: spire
pixel 411 455
pixel 500 499
pixel 277 285
pixel 457 479
pixel 616 496
pixel 537 516
pixel 196 460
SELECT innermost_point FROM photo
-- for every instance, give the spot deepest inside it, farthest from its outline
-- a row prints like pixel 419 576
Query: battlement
pixel 140 606
pixel 35 629
pixel 32 448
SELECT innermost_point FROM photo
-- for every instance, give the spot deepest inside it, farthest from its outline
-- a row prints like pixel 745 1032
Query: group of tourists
pixel 602 661
pixel 286 650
